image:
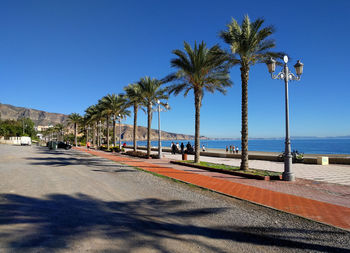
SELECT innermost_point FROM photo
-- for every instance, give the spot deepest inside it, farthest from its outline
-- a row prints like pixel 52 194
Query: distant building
pixel 43 128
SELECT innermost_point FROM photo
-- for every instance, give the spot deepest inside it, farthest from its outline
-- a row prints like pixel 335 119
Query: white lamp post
pixel 286 75
pixel 159 131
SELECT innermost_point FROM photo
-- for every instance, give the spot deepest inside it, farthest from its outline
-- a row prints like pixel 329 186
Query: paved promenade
pixel 333 173
pixel 323 202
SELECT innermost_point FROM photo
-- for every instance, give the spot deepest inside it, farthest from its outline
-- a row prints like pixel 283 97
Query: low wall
pixel 11 141
pixel 264 157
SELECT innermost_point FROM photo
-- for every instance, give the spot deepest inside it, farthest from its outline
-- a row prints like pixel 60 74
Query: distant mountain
pixel 127 134
pixel 42 118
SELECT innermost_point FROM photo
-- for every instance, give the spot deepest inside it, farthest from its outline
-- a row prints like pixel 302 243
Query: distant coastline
pixel 282 138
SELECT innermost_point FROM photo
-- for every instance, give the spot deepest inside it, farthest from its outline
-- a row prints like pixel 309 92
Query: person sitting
pixel 189 148
pixel 182 147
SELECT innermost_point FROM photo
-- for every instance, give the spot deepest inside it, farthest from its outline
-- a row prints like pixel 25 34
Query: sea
pixel 307 145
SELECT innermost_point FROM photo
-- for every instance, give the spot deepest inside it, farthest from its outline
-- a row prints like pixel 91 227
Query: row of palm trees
pixel 200 69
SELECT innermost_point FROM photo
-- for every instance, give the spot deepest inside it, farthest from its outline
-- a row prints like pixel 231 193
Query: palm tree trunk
pixel 114 132
pixel 197 104
pixel 75 134
pixel 98 133
pixel 149 122
pixel 135 127
pixel 94 135
pixel 244 133
pixel 107 118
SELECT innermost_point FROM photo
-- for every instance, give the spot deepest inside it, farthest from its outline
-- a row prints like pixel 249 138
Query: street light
pixel 120 130
pixel 286 75
pixel 159 131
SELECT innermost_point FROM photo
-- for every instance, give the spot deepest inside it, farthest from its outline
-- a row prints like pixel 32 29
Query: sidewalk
pixel 322 202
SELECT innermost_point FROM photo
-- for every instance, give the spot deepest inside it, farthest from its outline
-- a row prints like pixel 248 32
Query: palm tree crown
pixel 249 42
pixel 199 69
pixel 249 45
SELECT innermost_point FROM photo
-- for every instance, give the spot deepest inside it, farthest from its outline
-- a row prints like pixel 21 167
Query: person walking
pixel 203 148
pixel 226 149
pixel 173 148
pixel 237 149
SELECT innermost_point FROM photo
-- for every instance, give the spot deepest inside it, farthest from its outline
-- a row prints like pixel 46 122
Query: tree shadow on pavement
pixel 58 220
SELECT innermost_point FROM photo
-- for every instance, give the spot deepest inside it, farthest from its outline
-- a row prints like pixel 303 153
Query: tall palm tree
pixel 114 105
pixel 134 96
pixel 151 91
pixel 75 119
pixel 107 114
pixel 98 117
pixel 90 114
pixel 85 121
pixel 249 45
pixel 199 69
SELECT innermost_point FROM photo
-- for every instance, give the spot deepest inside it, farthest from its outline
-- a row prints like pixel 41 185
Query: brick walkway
pixel 284 196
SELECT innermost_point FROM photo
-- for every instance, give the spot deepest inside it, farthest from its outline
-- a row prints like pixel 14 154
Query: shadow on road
pixel 58 220
pixel 62 158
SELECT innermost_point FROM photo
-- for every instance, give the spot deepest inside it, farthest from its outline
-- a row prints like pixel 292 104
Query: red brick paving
pixel 336 215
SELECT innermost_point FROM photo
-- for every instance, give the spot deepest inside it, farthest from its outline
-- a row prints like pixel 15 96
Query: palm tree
pixel 58 128
pixel 249 45
pixel 134 96
pixel 199 69
pixel 90 115
pixel 114 105
pixel 151 91
pixel 104 107
pixel 75 119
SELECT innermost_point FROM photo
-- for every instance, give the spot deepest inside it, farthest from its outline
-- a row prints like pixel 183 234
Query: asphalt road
pixel 68 201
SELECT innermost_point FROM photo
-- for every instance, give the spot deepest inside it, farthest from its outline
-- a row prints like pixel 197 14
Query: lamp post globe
pixel 271 65
pixel 299 68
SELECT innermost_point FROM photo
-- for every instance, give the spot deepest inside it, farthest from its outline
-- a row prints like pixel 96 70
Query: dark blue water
pixel 308 146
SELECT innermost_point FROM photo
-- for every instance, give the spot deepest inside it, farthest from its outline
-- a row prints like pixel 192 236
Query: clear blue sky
pixel 62 56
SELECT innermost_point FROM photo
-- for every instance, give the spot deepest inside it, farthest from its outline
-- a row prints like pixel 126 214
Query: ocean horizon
pixel 304 145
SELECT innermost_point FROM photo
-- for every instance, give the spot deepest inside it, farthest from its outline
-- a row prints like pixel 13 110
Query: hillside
pixel 43 118
pixel 142 134
pixel 39 117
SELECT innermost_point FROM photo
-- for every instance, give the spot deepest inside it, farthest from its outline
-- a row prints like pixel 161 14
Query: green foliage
pixel 21 127
pixel 200 68
pixel 140 154
pixel 250 42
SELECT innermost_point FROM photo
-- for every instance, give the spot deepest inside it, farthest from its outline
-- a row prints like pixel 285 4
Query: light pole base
pixel 288 176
